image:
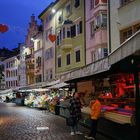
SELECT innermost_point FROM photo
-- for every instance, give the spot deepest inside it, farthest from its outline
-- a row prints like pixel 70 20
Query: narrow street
pixel 22 123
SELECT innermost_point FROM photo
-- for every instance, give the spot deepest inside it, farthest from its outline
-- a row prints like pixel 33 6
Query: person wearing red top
pixel 95 107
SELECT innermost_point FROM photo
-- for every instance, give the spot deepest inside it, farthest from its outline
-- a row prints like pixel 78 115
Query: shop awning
pixel 91 69
pixel 127 48
pixel 6 91
pixel 51 83
pixel 41 89
pixel 60 85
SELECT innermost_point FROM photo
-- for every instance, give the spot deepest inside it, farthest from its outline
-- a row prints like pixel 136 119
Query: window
pixel 63 32
pixel 105 52
pixel 77 3
pixel 51 74
pixel 96 2
pixel 125 34
pixel 73 31
pixel 57 42
pixel 38 45
pixel 136 27
pixel 47 75
pixel 124 2
pixel 68 32
pixel 104 20
pixel 92 29
pixel 79 28
pixel 68 9
pixel 48 32
pixel 98 21
pixel 91 4
pixel 93 57
pixel 38 61
pixel 68 59
pixel 49 53
pixel 77 56
pixel 59 61
pixel 49 17
pixel 59 37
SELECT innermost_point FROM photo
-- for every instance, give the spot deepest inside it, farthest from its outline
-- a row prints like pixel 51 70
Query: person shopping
pixel 75 113
pixel 95 107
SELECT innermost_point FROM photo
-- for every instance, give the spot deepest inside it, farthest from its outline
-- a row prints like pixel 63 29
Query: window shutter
pixel 80 27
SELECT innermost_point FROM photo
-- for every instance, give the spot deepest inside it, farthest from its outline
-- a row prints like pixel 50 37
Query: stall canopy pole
pixel 137 102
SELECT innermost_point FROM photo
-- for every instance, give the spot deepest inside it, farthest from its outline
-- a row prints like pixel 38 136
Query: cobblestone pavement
pixel 20 123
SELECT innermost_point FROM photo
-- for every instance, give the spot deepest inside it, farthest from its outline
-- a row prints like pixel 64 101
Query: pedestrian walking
pixel 95 107
pixel 75 113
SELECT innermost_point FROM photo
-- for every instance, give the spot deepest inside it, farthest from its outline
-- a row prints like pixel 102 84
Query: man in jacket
pixel 75 113
pixel 95 107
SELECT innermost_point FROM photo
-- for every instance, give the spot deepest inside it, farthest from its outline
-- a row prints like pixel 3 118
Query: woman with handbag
pixel 75 113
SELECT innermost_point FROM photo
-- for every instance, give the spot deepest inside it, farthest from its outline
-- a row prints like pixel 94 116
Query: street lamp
pixel 53 11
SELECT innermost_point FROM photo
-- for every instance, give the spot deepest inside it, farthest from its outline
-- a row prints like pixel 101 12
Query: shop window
pixel 125 34
pixel 68 59
pixel 59 61
pixel 77 55
pixel 77 3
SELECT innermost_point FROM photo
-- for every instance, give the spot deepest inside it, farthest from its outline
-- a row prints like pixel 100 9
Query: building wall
pixel 11 72
pixel 22 66
pixel 49 44
pixel 96 37
pixel 38 58
pixel 72 44
pixel 32 31
pixel 122 17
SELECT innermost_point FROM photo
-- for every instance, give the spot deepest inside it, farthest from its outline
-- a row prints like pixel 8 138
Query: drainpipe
pixel 109 28
pixel 84 31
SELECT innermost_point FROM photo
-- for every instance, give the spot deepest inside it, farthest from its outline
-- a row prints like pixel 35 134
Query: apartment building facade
pixel 22 66
pixel 11 72
pixel 96 30
pixel 49 38
pixel 30 62
pixel 70 37
pixel 38 56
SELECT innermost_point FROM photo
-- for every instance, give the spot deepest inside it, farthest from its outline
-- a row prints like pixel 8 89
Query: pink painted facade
pixel 96 30
pixel 48 20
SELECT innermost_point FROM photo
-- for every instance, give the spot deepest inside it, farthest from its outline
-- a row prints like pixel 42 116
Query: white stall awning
pixel 57 86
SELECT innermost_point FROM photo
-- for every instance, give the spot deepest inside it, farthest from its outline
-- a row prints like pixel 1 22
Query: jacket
pixel 95 110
